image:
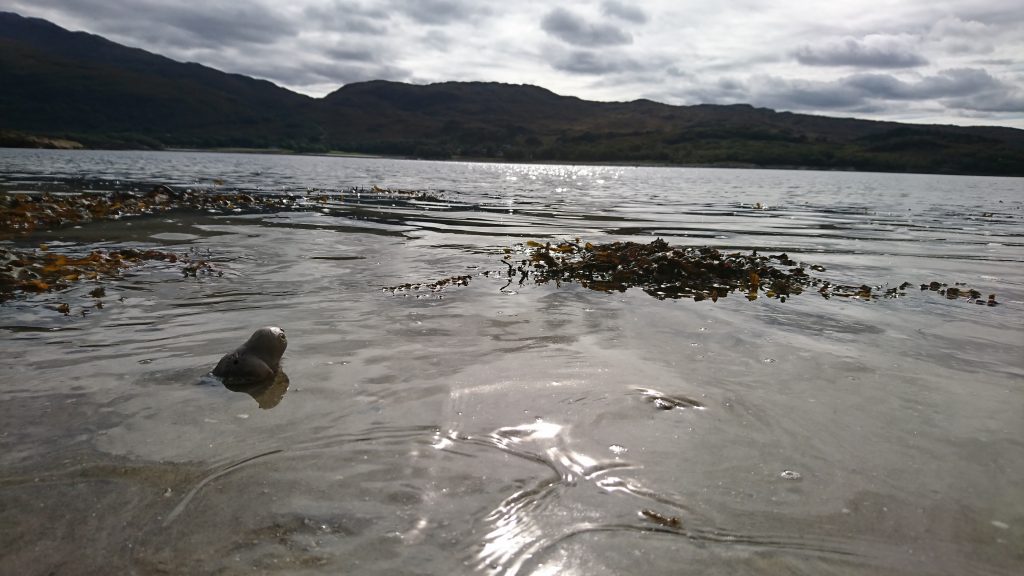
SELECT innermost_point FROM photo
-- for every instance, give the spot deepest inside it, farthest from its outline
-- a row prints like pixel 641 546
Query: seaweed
pixel 432 287
pixel 697 273
pixel 21 214
pixel 668 272
pixel 661 519
pixel 44 271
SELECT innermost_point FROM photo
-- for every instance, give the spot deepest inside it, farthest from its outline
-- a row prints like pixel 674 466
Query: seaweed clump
pixel 704 273
pixel 45 271
pixel 21 214
pixel 959 290
pixel 431 287
pixel 664 271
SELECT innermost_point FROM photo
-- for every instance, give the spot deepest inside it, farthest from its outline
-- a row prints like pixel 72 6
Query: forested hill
pixel 81 87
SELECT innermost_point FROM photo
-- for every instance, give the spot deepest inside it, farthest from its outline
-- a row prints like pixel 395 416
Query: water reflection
pixel 532 517
pixel 267 393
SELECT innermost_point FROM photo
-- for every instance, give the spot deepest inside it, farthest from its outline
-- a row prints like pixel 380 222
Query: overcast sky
pixel 944 61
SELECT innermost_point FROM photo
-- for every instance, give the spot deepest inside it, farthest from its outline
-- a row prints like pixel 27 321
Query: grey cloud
pixel 624 11
pixel 947 84
pixel 991 102
pixel 677 72
pixel 590 62
pixel 966 89
pixel 438 12
pixel 347 16
pixel 353 53
pixel 998 13
pixel 804 94
pixel 437 40
pixel 206 24
pixel 573 29
pixel 880 53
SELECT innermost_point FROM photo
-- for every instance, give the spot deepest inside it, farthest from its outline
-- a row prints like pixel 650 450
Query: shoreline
pixel 488 160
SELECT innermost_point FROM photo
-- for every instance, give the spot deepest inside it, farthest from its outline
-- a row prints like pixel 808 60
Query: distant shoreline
pixel 485 160
pixel 489 160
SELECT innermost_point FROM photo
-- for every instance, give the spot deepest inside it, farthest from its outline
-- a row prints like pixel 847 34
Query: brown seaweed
pixel 664 271
pixel 428 287
pixel 42 270
pixel 697 273
pixel 21 214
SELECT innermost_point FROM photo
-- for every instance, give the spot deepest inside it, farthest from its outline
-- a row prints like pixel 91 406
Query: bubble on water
pixel 1000 525
pixel 616 449
pixel 769 360
pixel 790 475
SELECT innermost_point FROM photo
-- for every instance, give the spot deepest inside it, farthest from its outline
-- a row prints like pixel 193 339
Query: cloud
pixel 346 16
pixel 624 11
pixel 438 12
pixel 207 24
pixel 590 62
pixel 964 89
pixel 574 30
pixel 357 53
pixel 948 83
pixel 875 51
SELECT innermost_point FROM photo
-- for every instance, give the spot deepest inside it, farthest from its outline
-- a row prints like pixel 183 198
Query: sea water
pixel 516 428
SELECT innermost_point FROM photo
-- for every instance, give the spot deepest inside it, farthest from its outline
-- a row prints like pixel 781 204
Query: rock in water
pixel 255 361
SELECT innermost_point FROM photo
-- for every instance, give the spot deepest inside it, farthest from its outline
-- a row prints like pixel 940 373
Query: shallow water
pixel 501 428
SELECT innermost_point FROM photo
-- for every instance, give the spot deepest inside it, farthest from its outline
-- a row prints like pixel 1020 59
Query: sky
pixel 924 61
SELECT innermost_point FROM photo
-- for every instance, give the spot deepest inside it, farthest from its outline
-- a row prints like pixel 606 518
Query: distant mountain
pixel 60 82
pixel 81 87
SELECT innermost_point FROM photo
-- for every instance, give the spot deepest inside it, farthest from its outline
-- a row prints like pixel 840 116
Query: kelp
pixel 406 193
pixel 32 271
pixel 959 290
pixel 21 214
pixel 44 271
pixel 428 288
pixel 697 273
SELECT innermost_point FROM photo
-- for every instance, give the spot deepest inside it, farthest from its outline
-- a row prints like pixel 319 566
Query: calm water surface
pixel 509 429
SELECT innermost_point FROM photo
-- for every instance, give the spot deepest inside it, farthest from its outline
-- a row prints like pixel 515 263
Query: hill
pixel 85 87
pixel 81 87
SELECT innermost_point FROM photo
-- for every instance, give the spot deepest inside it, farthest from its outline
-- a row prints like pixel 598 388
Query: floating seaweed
pixel 959 290
pixel 705 273
pixel 431 287
pixel 21 214
pixel 661 519
pixel 665 271
pixel 45 271
pixel 411 194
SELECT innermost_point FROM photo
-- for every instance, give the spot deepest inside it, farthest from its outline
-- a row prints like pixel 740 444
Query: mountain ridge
pixel 82 87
